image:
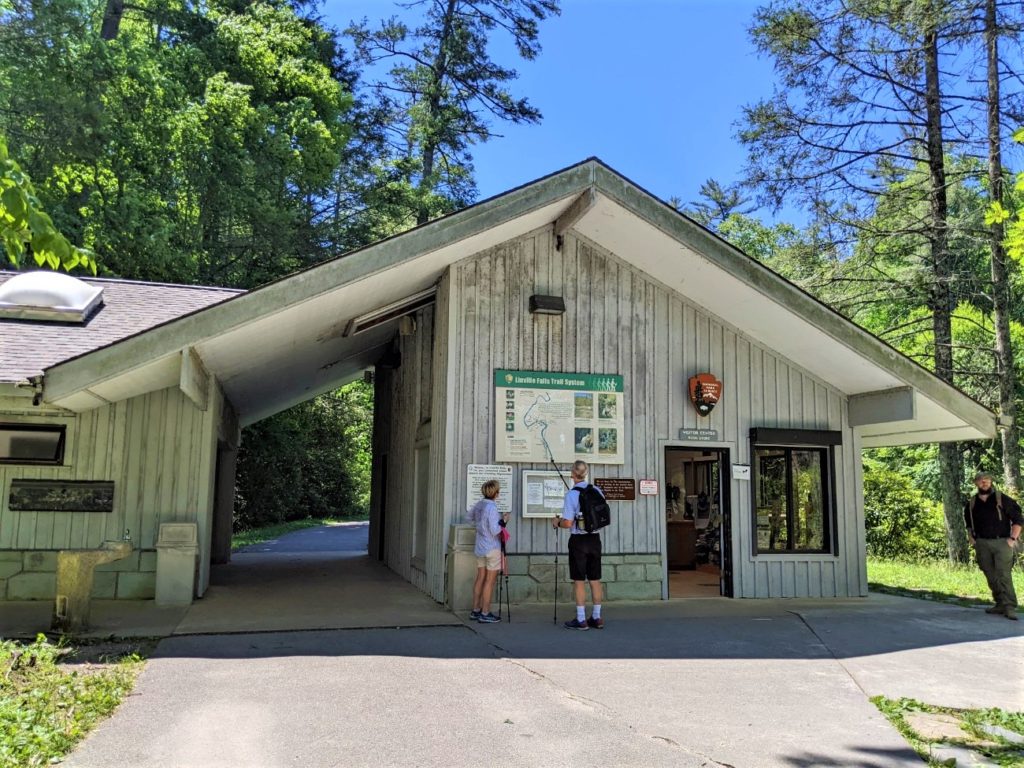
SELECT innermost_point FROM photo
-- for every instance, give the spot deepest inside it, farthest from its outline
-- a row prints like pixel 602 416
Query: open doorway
pixel 696 521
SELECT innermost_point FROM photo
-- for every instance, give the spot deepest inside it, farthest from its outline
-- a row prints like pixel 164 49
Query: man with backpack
pixel 584 511
pixel 994 523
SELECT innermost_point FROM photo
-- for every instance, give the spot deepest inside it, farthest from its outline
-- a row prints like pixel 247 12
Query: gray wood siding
pixel 619 320
pixel 158 450
pixel 404 409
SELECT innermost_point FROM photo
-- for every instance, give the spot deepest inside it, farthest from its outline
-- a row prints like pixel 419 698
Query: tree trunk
pixel 941 297
pixel 1000 280
pixel 112 19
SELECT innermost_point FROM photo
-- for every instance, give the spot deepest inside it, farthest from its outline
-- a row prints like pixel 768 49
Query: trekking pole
pixel 554 619
pixel 503 572
pixel 508 594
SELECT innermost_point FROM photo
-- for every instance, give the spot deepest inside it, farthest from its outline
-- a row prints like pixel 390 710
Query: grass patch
pixel 270 532
pixel 996 748
pixel 50 697
pixel 934 580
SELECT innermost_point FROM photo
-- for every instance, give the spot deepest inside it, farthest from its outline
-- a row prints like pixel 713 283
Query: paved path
pixel 342 537
pixel 758 684
pixel 714 687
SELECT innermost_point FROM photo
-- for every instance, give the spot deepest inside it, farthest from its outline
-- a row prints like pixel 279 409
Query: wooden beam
pixel 884 407
pixel 573 214
pixel 195 381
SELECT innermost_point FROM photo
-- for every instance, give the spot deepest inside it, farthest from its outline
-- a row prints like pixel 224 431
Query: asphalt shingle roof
pixel 29 346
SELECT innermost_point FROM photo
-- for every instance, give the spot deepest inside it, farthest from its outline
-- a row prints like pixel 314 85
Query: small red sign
pixel 705 392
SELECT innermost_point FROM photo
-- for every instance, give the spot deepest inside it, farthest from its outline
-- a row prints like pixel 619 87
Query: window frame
pixel 57 461
pixel 790 440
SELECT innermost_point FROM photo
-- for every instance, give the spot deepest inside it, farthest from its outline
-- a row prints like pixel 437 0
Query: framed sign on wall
pixel 543 493
pixel 541 416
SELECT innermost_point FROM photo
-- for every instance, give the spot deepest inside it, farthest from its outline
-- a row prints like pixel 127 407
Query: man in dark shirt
pixel 994 523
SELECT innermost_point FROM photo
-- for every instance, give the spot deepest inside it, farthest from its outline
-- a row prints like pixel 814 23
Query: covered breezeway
pixel 315 579
pixel 318 578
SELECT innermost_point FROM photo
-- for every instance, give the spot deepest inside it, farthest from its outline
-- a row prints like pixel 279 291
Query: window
pixel 31 444
pixel 793 506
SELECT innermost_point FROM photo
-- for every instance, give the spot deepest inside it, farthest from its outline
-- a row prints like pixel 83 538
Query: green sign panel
pixel 590 382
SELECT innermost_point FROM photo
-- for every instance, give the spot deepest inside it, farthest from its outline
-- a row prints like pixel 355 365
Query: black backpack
pixel 594 509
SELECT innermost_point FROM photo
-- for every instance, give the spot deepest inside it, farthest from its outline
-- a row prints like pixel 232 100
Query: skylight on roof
pixel 44 295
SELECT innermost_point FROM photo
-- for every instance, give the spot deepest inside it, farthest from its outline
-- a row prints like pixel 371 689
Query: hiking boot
pixel 1010 613
pixel 474 615
pixel 488 618
pixel 595 623
pixel 995 609
pixel 576 624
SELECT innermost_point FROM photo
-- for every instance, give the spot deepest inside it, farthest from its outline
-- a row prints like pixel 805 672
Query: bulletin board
pixel 543 493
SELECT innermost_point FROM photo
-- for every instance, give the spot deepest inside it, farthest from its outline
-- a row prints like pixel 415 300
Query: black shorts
pixel 585 557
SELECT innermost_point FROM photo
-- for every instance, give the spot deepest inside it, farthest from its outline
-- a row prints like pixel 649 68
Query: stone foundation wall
pixel 32 575
pixel 531 578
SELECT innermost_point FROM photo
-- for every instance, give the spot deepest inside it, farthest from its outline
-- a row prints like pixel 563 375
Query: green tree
pixel 444 89
pixel 310 461
pixel 190 145
pixel 862 104
pixel 25 227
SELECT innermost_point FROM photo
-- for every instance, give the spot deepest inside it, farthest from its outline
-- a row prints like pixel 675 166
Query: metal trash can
pixel 461 567
pixel 177 557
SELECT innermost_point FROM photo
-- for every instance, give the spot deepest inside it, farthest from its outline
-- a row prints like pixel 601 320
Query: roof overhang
pixel 286 342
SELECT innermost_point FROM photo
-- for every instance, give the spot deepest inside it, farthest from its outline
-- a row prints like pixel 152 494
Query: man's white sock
pixel 581 613
pixel 596 613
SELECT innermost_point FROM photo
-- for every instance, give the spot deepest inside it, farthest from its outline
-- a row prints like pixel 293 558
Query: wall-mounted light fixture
pixel 547 305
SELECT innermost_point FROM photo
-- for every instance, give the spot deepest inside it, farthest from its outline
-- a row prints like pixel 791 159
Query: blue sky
pixel 652 87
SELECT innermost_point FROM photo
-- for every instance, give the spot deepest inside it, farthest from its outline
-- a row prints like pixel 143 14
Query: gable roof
pixel 27 347
pixel 285 342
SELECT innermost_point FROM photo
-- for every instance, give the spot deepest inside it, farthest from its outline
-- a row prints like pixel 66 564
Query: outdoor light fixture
pixel 547 305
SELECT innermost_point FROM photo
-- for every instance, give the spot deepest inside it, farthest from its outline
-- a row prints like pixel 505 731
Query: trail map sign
pixel 542 416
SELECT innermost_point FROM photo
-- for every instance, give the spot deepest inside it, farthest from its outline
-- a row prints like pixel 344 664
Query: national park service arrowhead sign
pixel 705 391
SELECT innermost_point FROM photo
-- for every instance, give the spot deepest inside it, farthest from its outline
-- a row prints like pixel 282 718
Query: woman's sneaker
pixel 474 615
pixel 488 618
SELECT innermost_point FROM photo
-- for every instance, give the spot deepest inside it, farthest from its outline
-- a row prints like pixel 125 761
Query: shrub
pixel 900 520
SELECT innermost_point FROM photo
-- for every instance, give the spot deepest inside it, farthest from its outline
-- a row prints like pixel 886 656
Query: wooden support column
pixel 194 380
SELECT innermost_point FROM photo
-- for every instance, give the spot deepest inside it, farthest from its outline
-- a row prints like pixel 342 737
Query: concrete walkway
pixel 319 578
pixel 700 683
pixel 685 683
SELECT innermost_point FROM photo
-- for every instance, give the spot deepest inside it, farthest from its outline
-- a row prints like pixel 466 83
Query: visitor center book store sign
pixel 542 416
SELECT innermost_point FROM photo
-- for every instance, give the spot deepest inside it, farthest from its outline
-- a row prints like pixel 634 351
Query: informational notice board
pixel 478 474
pixel 542 416
pixel 543 493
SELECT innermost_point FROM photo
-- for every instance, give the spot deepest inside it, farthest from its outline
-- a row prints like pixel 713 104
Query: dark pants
pixel 996 560
pixel 585 557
